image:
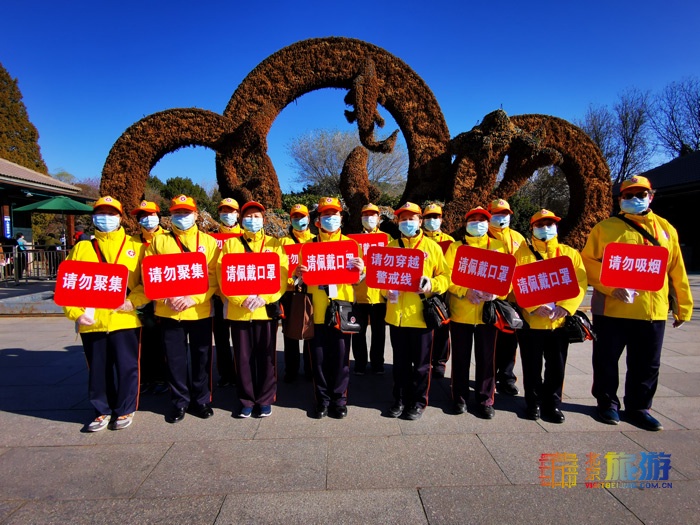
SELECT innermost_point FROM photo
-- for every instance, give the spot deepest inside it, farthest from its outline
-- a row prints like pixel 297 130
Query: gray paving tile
pixel 684 411
pixel 42 375
pixel 46 428
pixel 686 363
pixel 47 397
pixel 7 508
pixel 329 506
pixel 231 466
pixel 681 444
pixel 690 348
pixel 522 504
pixel 579 387
pixel 684 384
pixel 190 510
pixel 410 461
pixel 70 472
pixel 678 504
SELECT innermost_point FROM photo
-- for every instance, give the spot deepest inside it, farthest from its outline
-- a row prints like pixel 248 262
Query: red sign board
pixel 634 266
pixel 250 273
pixel 175 275
pixel 394 268
pixel 91 284
pixel 222 237
pixel 326 262
pixel 367 240
pixel 292 251
pixel 483 270
pixel 444 245
pixel 546 281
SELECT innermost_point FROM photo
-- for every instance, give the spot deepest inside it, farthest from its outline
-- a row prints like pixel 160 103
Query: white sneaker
pixel 123 421
pixel 100 423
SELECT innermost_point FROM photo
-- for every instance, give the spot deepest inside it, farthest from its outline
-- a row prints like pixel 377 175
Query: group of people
pixel 245 327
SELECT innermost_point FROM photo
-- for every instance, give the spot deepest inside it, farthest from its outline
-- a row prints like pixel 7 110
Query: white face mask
pixel 370 222
pixel 500 221
pixel 228 219
pixel 432 225
pixel 477 228
pixel 183 222
pixel 149 222
pixel 106 223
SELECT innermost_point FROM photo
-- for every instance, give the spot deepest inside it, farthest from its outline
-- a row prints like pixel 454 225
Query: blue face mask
pixel 228 219
pixel 252 224
pixel 545 233
pixel 409 228
pixel 183 222
pixel 149 222
pixel 432 225
pixel 300 224
pixel 500 221
pixel 634 205
pixel 477 228
pixel 369 222
pixel 330 223
pixel 106 223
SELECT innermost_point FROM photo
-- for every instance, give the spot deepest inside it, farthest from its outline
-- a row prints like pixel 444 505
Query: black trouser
pixel 176 334
pixel 153 368
pixel 643 340
pixel 506 348
pixel 411 349
pixel 254 344
pixel 484 337
pixel 441 346
pixel 372 314
pixel 291 357
pixel 224 358
pixel 553 346
pixel 113 370
pixel 330 361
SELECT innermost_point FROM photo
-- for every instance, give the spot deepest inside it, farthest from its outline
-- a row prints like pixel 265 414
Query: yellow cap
pixel 499 205
pixel 252 204
pixel 370 207
pixel 108 201
pixel 228 201
pixel 146 207
pixel 329 203
pixel 183 202
pixel 410 207
pixel 476 210
pixel 299 209
pixel 544 214
pixel 635 182
pixel 432 208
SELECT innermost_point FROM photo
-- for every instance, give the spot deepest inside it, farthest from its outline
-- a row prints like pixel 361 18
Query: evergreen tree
pixel 19 139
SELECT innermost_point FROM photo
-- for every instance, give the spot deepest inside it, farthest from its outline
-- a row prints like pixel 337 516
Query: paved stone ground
pixel 290 468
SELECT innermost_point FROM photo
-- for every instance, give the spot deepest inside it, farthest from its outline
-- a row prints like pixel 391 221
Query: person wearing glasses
pixel 634 319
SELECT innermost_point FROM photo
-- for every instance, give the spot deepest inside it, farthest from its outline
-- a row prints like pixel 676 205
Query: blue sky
pixel 88 70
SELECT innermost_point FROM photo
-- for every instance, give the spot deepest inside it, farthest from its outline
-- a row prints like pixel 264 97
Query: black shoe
pixel 223 382
pixel 553 415
pixel 460 407
pixel 396 410
pixel 508 389
pixel 202 411
pixel 378 370
pixel 360 370
pixel 321 412
pixel 643 419
pixel 339 412
pixel 609 416
pixel 414 413
pixel 177 414
pixel 485 411
pixel 439 371
pixel 532 413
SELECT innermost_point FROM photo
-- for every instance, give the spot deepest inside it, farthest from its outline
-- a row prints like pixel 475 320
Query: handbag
pixel 435 311
pixel 275 311
pixel 341 316
pixel 578 328
pixel 299 319
pixel 503 316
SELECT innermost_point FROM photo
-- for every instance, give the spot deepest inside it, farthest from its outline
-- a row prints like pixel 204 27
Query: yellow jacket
pixel 258 242
pixel 301 238
pixel 130 256
pixel 438 236
pixel 647 306
pixel 509 237
pixel 236 228
pixel 363 293
pixel 345 292
pixel 408 310
pixel 166 244
pixel 146 237
pixel 462 310
pixel 549 250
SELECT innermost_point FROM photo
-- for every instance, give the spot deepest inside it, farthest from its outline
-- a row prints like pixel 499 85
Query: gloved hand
pixel 485 296
pixel 180 304
pixel 253 302
pixel 392 296
pixel 474 296
pixel 85 320
pixel 126 307
pixel 624 295
pixel 356 263
pixel 425 285
pixel 558 313
pixel 543 311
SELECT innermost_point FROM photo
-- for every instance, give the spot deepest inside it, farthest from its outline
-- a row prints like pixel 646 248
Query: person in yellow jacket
pixel 629 318
pixel 467 327
pixel 546 337
pixel 187 318
pixel 370 309
pixel 411 340
pixel 506 344
pixel 228 223
pixel 330 348
pixel 253 330
pixel 299 233
pixel 432 224
pixel 111 338
pixel 153 373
